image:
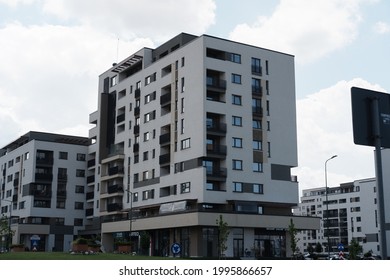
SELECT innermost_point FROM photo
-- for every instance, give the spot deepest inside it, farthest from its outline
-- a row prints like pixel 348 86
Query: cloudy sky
pixel 52 51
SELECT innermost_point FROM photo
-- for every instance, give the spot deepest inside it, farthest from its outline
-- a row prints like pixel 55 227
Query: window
pixel 79 205
pixel 237 164
pixel 258 188
pixel 63 155
pixel 80 173
pixel 81 157
pixel 145 175
pixel 146 156
pixel 256 124
pixel 237 187
pixel 185 187
pixel 237 142
pixel 257 167
pixel 256 66
pixel 236 121
pixel 236 99
pixel 235 57
pixel 269 149
pixel 257 145
pixel 182 62
pixel 236 79
pixel 182 85
pixel 266 67
pixel 60 204
pixel 146 136
pixel 78 222
pixel 186 143
pixel 256 86
pixel 27 156
pixel 113 81
pixel 135 197
pixel 79 189
pixel 182 126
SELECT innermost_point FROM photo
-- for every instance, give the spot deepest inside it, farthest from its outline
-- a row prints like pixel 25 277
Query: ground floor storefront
pixel 196 235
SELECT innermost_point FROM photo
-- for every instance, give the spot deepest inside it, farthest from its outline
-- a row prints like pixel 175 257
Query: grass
pixel 68 256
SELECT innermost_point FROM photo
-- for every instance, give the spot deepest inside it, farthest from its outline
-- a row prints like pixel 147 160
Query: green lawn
pixel 68 256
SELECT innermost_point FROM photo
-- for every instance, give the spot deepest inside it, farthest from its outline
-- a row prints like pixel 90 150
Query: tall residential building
pixel 42 189
pixel 196 128
pixel 352 213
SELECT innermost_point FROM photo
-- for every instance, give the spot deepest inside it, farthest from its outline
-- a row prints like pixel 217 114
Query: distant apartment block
pixel 352 213
pixel 43 179
pixel 196 128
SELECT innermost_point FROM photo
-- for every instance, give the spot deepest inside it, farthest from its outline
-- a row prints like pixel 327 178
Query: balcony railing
pixel 114 207
pixel 115 189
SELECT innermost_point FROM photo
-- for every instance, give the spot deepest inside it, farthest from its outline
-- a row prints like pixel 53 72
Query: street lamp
pixel 130 212
pixel 327 204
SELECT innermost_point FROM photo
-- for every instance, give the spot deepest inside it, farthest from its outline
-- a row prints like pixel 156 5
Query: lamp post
pixel 327 204
pixel 130 213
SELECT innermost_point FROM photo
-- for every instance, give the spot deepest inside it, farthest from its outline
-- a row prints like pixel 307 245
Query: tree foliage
pixel 293 237
pixel 223 233
pixel 354 249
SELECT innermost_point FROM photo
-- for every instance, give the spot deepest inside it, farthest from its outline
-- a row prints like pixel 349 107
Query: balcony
pixel 91 179
pixel 44 161
pixel 43 177
pixel 137 111
pixel 137 93
pixel 89 212
pixel 164 159
pixel 216 150
pixel 115 170
pixel 165 99
pixel 62 177
pixel 257 111
pixel 216 128
pixel 91 162
pixel 115 189
pixel 216 84
pixel 257 91
pixel 61 193
pixel 218 174
pixel 89 195
pixel 114 207
pixel 165 138
pixel 120 118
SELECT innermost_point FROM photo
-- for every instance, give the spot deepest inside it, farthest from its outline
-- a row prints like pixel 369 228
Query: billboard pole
pixel 379 175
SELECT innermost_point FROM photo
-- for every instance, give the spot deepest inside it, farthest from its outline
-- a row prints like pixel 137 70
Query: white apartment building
pixel 197 128
pixel 43 178
pixel 353 213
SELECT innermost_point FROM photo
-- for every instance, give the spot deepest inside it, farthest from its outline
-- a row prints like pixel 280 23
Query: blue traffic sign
pixel 340 247
pixel 176 248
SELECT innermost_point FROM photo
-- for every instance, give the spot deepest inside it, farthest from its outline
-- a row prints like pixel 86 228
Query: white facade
pixel 196 128
pixel 353 213
pixel 43 181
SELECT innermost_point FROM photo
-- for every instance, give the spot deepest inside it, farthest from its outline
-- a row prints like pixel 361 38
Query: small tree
pixel 310 249
pixel 223 233
pixel 319 248
pixel 293 237
pixel 5 229
pixel 144 242
pixel 354 249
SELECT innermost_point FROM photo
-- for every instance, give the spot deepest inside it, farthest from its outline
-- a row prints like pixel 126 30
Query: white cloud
pixel 49 76
pixel 131 18
pixel 382 27
pixel 305 28
pixel 324 122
